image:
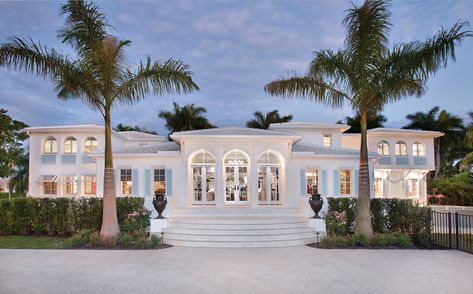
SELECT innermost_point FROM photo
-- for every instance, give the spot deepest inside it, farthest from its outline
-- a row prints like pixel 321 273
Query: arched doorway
pixel 269 166
pixel 203 178
pixel 236 177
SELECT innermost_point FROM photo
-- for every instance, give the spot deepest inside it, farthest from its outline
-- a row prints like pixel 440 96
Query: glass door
pixel 236 178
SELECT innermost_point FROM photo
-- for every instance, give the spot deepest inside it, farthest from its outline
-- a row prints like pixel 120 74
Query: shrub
pixel 126 239
pixel 403 240
pixel 335 242
pixel 361 240
pixel 95 240
pixel 80 239
pixel 136 220
pixel 458 189
pixel 341 215
pixel 154 241
pixel 379 240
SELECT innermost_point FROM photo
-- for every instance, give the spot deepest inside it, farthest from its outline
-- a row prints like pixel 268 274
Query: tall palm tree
pixel 18 179
pixel 262 121
pixel 367 74
pixel 373 120
pixel 186 118
pixel 445 147
pixel 99 76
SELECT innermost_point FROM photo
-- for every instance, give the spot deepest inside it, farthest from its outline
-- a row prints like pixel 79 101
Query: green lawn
pixel 31 242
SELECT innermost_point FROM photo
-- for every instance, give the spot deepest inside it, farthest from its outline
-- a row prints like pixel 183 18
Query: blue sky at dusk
pixel 234 49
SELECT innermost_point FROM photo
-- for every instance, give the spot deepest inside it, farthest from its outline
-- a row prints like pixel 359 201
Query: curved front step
pixel 266 244
pixel 238 232
pixel 238 221
pixel 238 238
pixel 237 226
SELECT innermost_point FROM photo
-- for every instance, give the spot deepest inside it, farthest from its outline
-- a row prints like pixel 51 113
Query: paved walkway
pixel 259 270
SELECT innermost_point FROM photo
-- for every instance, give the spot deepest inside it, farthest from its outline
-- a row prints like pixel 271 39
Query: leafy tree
pixel 373 120
pixel 446 148
pixel 467 161
pixel 19 175
pixel 123 128
pixel 98 75
pixel 367 74
pixel 11 139
pixel 186 118
pixel 262 121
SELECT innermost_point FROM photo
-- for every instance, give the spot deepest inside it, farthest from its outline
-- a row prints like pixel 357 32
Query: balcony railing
pixel 48 158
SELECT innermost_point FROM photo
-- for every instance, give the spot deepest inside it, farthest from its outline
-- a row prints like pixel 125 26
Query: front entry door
pixel 236 184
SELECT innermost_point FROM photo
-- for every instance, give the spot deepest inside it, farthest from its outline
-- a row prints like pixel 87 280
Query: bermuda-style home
pixel 218 176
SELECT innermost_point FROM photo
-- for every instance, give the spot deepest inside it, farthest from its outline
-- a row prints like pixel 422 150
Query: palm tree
pixel 373 120
pixel 262 121
pixel 126 128
pixel 467 161
pixel 18 179
pixel 186 118
pixel 367 74
pixel 99 76
pixel 445 147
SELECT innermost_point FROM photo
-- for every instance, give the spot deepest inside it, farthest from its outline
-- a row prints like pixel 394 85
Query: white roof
pixel 232 132
pixel 309 125
pixel 134 135
pixel 391 131
pixel 148 149
pixel 322 150
pixel 68 128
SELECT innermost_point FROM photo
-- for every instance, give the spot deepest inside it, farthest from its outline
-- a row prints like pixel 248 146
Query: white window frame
pixel 70 146
pixel 52 142
pixel 350 182
pixel 416 151
pixel 382 146
pixel 128 182
pixel 410 189
pixel 329 143
pixel 163 169
pixel 72 181
pixel 53 179
pixel 381 188
pixel 84 183
pixel 398 150
pixel 88 147
pixel 317 171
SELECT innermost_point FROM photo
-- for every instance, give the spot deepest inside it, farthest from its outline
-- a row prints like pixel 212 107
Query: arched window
pixel 418 149
pixel 400 149
pixel 90 145
pixel 203 177
pixel 236 164
pixel 268 177
pixel 383 148
pixel 70 145
pixel 50 146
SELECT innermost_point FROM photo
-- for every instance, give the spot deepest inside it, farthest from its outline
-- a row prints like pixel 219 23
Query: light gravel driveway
pixel 258 270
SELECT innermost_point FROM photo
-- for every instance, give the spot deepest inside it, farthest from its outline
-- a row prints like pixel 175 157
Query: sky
pixel 234 48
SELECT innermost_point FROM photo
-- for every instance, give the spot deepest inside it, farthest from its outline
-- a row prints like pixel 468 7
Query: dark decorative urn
pixel 316 203
pixel 159 203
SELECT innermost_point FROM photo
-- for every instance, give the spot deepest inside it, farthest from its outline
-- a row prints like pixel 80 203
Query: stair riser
pixel 237 226
pixel 238 221
pixel 237 232
pixel 259 238
pixel 241 244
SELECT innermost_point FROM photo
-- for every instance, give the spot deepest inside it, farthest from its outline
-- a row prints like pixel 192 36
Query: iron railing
pixel 452 231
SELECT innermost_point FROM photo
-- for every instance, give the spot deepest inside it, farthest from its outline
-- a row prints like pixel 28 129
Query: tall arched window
pixel 418 149
pixel 90 145
pixel 400 149
pixel 236 165
pixel 50 146
pixel 383 148
pixel 70 145
pixel 203 177
pixel 268 177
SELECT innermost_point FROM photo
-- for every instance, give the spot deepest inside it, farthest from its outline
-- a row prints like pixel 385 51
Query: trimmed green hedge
pixel 388 216
pixel 59 216
pixel 458 189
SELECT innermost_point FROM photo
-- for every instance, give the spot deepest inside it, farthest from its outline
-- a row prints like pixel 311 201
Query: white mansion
pixel 224 170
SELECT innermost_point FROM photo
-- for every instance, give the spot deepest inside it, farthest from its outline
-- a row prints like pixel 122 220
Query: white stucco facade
pixel 230 167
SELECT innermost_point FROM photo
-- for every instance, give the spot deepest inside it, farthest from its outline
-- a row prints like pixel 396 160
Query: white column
pixel 253 181
pixel 219 182
pixel 268 184
pixel 204 184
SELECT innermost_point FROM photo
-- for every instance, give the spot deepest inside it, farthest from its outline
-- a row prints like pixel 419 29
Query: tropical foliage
pixel 367 74
pixel 262 121
pixel 373 120
pixel 98 75
pixel 185 118
pixel 11 140
pixel 124 128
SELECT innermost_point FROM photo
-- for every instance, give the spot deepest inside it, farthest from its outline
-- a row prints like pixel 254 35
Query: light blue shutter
pixel 117 181
pixel 324 183
pixel 135 182
pixel 356 175
pixel 147 182
pixel 303 183
pixel 336 182
pixel 168 182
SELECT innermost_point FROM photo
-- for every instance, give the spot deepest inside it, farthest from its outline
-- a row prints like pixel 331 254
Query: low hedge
pixel 388 216
pixel 60 216
pixel 387 240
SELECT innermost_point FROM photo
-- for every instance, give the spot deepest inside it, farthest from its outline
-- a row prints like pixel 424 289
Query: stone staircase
pixel 271 227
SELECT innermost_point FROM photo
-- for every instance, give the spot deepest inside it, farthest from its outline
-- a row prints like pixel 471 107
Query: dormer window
pixel 70 145
pixel 418 149
pixel 50 146
pixel 383 148
pixel 400 148
pixel 327 140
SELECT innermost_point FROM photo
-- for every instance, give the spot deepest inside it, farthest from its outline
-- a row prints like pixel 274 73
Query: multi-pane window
pixel 70 185
pixel 345 182
pixel 159 183
pixel 383 148
pixel 413 188
pixel 126 184
pixel 50 185
pixel 89 185
pixel 70 145
pixel 50 146
pixel 418 149
pixel 327 140
pixel 312 180
pixel 90 145
pixel 400 149
pixel 378 187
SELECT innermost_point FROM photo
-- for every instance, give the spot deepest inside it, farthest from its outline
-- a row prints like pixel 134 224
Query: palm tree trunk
pixel 363 217
pixel 437 157
pixel 110 229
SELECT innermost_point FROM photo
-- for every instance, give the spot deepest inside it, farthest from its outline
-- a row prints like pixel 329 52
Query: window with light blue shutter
pixel 336 182
pixel 135 182
pixel 324 183
pixel 168 182
pixel 303 183
pixel 355 176
pixel 147 182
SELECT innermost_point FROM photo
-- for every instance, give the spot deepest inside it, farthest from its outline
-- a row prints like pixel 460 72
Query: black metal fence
pixel 452 231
